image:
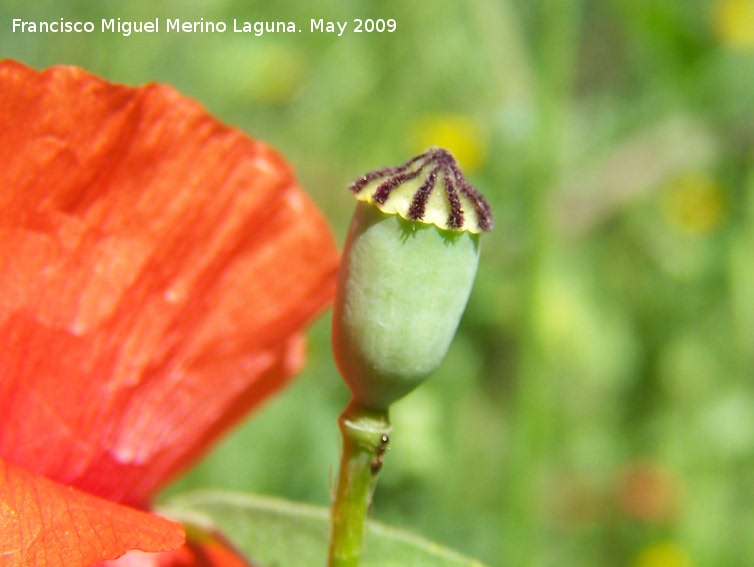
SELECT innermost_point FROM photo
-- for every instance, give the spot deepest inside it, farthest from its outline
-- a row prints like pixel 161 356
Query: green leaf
pixel 277 533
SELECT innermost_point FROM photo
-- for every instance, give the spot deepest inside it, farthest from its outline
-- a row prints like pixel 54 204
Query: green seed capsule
pixel 408 267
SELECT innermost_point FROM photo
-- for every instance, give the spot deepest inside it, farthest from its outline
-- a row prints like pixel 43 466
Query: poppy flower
pixel 156 271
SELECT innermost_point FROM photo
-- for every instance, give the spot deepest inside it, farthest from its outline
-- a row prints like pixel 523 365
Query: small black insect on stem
pixel 376 464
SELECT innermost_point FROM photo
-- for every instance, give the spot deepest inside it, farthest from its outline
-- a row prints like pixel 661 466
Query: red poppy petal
pixel 155 269
pixel 207 550
pixel 46 523
pixel 210 550
pixel 207 554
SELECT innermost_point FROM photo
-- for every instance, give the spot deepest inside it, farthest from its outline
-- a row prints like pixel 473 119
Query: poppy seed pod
pixel 407 270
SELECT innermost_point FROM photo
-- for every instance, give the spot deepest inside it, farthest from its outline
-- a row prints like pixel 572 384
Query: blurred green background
pixel 597 405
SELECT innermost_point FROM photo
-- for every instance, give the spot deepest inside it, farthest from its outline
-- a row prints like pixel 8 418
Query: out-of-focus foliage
pixel 597 406
pixel 269 531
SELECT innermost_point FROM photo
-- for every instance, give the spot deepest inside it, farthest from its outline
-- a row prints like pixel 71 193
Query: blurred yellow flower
pixel 665 554
pixel 460 134
pixel 694 203
pixel 734 20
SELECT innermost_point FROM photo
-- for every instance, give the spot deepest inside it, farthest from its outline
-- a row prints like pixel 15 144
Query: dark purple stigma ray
pixel 455 217
pixel 383 190
pixel 482 208
pixel 421 157
pixel 456 186
pixel 443 157
pixel 403 173
pixel 419 203
pixel 363 181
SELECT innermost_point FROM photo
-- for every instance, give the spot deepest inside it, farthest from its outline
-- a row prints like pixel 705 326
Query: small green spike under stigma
pixel 408 266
